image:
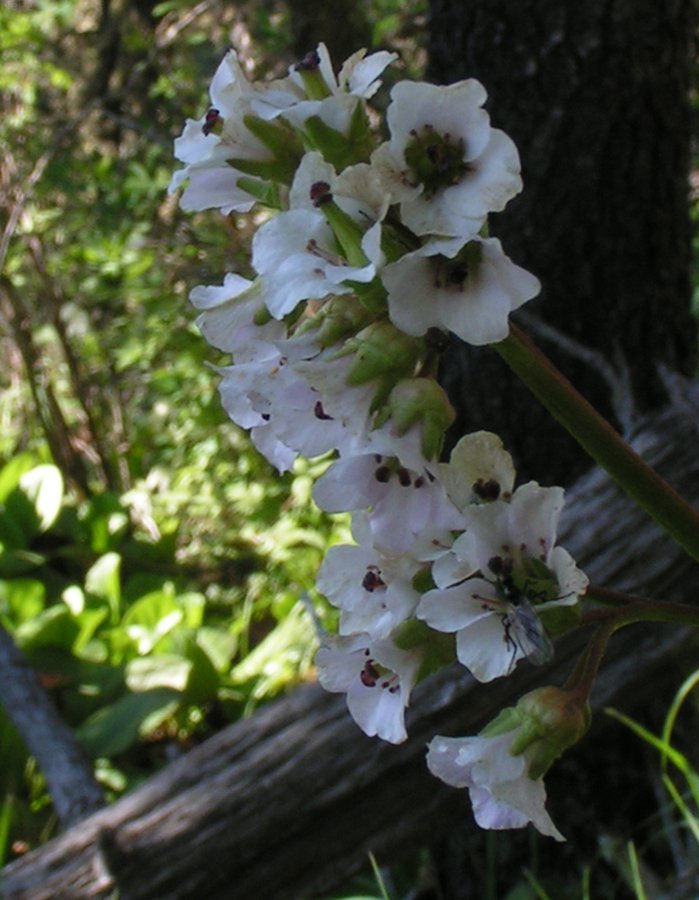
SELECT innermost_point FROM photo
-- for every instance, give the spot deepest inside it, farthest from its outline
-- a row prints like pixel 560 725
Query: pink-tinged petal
pixel 348 484
pixel 279 455
pixel 502 793
pixel 379 715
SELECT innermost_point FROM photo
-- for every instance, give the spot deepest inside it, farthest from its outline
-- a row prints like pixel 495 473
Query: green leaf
pixel 219 645
pixel 23 598
pixel 52 626
pixel 150 619
pixel 19 522
pixel 43 486
pixel 12 471
pixel 203 681
pixel 14 563
pixel 115 728
pixel 159 670
pixel 103 581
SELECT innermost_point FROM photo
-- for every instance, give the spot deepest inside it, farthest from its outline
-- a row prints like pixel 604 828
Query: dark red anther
pixel 404 478
pixel 320 193
pixel 372 580
pixel 211 120
pixel 486 490
pixel 309 63
pixel 369 674
pixel 319 412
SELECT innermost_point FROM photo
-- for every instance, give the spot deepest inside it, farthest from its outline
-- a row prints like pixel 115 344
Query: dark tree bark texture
pixel 595 95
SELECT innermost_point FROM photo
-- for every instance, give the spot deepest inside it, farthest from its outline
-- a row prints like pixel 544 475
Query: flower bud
pixel 341 317
pixel 421 401
pixel 551 720
pixel 382 351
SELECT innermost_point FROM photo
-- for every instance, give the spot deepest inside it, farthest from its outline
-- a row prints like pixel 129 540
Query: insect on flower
pixel 524 631
pixel 522 626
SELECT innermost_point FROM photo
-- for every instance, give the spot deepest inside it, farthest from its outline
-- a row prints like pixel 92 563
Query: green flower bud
pixel 508 719
pixel 382 351
pixel 262 316
pixel 267 192
pixel 551 721
pixel 339 318
pixel 423 581
pixel 278 137
pixel 421 401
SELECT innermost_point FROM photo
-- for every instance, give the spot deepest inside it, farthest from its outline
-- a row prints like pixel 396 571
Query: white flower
pixel 479 470
pixel 264 392
pixel 502 793
pixel 522 530
pixel 349 404
pixel 377 677
pixel 221 134
pixel 444 164
pixel 372 589
pixel 297 257
pixel 470 294
pixel 357 189
pixel 358 78
pixel 228 312
pixel 500 575
pixel 405 504
pixel 492 634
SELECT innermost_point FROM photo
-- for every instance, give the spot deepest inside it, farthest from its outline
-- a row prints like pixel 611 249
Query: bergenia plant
pixel 373 251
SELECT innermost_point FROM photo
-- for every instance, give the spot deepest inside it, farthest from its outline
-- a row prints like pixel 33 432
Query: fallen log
pixel 289 802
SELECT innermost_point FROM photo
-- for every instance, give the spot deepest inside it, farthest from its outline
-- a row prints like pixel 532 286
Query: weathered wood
pixel 289 802
pixel 64 764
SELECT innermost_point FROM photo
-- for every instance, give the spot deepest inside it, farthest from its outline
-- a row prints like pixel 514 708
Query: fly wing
pixel 527 631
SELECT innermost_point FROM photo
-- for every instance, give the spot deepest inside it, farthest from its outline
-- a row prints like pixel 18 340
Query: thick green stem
pixel 608 621
pixel 601 441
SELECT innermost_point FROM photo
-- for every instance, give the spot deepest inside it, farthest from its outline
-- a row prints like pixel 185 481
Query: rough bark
pixel 595 95
pixel 287 804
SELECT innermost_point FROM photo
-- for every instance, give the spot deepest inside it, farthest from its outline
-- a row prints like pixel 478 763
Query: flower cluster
pixel 374 251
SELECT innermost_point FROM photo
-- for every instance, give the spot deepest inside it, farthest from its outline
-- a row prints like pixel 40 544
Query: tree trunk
pixel 288 803
pixel 596 97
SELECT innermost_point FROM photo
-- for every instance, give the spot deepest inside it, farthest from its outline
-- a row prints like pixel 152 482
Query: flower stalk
pixel 601 441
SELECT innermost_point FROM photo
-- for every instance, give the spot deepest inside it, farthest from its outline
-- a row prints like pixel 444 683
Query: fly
pixel 524 631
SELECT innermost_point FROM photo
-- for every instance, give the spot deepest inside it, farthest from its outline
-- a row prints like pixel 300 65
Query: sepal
pixel 551 721
pixel 421 401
